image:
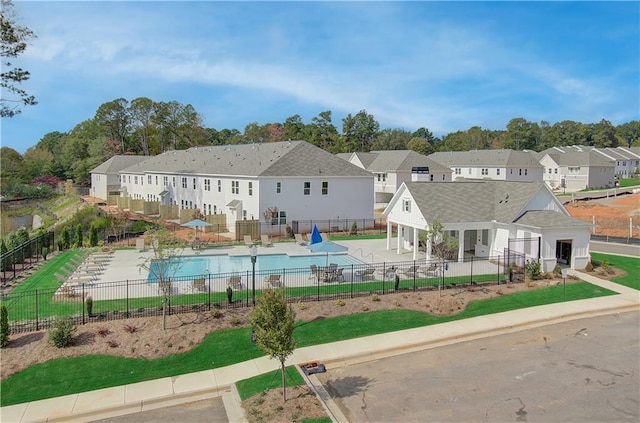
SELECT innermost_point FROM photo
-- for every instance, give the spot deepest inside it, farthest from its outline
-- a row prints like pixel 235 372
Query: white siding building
pixel 105 179
pixel 489 217
pixel 499 165
pixel 391 168
pixel 276 182
pixel 574 169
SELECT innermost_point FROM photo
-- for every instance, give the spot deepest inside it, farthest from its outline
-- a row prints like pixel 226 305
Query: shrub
pixel 301 305
pixel 340 303
pixel 113 343
pixel 45 253
pixel 215 313
pixel 375 297
pixel 103 331
pixel 557 270
pixel 354 229
pixel 130 328
pixel 236 321
pixel 61 336
pixel 589 267
pixel 4 326
pixel 89 302
pixel 532 269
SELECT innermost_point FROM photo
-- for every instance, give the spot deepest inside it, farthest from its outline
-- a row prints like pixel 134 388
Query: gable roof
pixel 564 156
pixel 117 163
pixel 549 219
pixel 473 200
pixel 476 158
pixel 402 161
pixel 287 158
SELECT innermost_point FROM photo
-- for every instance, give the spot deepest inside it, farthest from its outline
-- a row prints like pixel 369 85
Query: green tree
pixel 12 169
pixel 294 129
pixel 5 331
pixel 162 264
pixel 4 264
pixel 604 134
pixel 78 237
pixel 37 162
pixel 93 236
pixel 359 131
pixel 141 112
pixel 629 132
pixel 420 145
pixel 442 246
pixel 66 238
pixel 113 117
pixel 13 42
pixel 273 321
pixel 391 139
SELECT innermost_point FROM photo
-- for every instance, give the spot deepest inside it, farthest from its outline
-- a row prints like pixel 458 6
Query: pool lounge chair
pixel 266 242
pixel 409 272
pixel 366 274
pixel 300 240
pixel 431 270
pixel 235 282
pixel 248 241
pixel 273 280
pixel 199 285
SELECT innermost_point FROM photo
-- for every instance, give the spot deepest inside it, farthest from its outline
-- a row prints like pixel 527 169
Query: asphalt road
pixel 614 248
pixel 581 371
pixel 210 411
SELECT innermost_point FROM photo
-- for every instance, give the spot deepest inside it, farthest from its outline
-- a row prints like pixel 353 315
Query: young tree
pixel 79 240
pixel 442 246
pixel 93 236
pixel 273 321
pixel 163 264
pixel 4 326
pixel 13 42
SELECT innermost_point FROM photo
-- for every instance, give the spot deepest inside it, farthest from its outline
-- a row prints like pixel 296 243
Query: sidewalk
pixel 143 396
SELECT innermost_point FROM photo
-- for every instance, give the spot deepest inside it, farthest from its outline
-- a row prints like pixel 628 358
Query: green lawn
pixel 272 380
pixel 630 265
pixel 222 348
pixel 629 182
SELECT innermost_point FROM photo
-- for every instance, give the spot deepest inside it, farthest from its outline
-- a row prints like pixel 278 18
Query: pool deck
pixel 128 265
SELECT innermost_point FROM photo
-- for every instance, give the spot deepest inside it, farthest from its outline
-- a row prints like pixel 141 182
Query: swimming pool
pixel 200 265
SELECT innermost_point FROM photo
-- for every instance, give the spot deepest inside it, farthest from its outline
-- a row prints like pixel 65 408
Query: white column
pixel 400 237
pixel 428 255
pixel 461 245
pixel 389 232
pixel 415 244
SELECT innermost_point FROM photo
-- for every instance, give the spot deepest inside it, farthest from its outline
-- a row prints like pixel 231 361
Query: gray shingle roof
pixel 473 201
pixel 287 158
pixel 573 157
pixel 549 219
pixel 402 160
pixel 477 158
pixel 117 163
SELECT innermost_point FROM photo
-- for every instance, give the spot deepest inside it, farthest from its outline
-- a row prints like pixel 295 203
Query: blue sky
pixel 445 66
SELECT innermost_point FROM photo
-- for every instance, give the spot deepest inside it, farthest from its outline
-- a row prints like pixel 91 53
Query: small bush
pixel 4 326
pixel 589 267
pixel 557 270
pixel 364 308
pixel 61 335
pixel 113 343
pixel 301 306
pixel 236 321
pixel 340 303
pixel 375 298
pixel 130 328
pixel 103 332
pixel 89 302
pixel 215 313
pixel 532 269
pixel 354 229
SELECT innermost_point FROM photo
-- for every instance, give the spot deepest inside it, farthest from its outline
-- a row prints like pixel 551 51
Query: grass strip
pixel 65 376
pixel 271 380
pixel 630 265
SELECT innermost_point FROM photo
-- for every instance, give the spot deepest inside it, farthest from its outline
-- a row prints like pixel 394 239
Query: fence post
pixel 209 291
pixel 127 296
pixel 471 281
pixel 37 321
pixel 498 270
pixel 82 304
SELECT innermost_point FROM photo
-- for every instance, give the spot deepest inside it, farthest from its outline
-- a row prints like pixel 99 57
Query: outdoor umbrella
pixel 327 247
pixel 196 223
pixel 315 235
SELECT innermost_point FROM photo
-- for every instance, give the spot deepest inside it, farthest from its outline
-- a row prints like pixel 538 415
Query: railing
pixel 36 309
pixel 24 257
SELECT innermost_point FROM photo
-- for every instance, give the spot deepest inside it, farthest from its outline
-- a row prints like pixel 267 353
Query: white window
pixel 575 169
pixel 244 215
pixel 207 184
pixel 194 183
pixel 469 171
pixel 219 185
pixel 165 181
pixel 555 171
pixel 458 171
pixel 325 188
pixel 498 171
pixel 307 188
pixel 209 208
pixel 184 182
pixel 156 179
pixel 149 179
pixel 525 172
pixel 279 218
pixel 520 173
pixel 173 182
pixel 235 187
pixel 406 205
pixel 278 187
pixel 431 177
pixel 484 171
pixel 135 180
pixel 250 188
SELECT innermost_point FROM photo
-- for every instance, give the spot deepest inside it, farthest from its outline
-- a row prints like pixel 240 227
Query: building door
pixel 563 251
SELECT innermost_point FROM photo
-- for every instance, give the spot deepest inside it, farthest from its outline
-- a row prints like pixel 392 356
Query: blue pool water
pixel 199 265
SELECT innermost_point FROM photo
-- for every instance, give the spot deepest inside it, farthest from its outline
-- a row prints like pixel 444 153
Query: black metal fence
pixel 24 257
pixel 36 309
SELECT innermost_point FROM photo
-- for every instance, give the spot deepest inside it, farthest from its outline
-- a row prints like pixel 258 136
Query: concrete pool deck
pixel 124 274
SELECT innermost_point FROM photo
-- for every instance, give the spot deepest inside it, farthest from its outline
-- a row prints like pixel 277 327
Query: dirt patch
pixel 270 406
pixel 611 214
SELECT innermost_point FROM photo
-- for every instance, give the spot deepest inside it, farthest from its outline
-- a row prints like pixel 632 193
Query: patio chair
pixel 234 282
pixel 273 280
pixel 199 285
pixel 315 272
pixel 266 242
pixel 335 276
pixel 431 270
pixel 300 240
pixel 366 274
pixel 248 241
pixel 409 272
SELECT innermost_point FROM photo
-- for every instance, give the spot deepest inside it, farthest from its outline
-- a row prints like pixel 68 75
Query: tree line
pixel 146 127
